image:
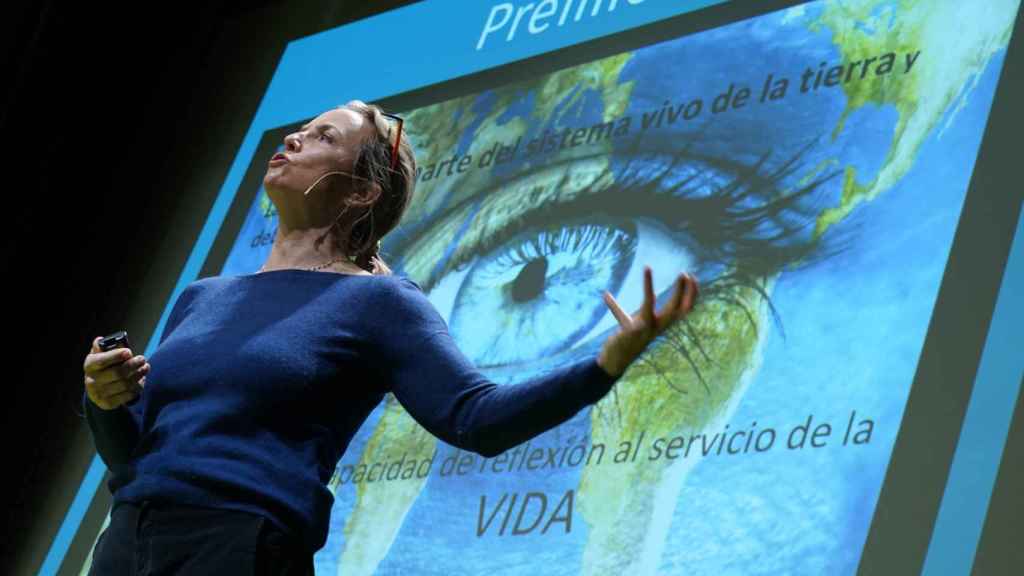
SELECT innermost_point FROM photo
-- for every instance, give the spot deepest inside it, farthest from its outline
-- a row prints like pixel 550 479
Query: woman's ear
pixel 365 195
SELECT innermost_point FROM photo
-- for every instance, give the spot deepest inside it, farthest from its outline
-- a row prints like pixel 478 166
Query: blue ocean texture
pixel 841 351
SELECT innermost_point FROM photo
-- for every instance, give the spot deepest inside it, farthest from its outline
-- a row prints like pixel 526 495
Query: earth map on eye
pixel 840 348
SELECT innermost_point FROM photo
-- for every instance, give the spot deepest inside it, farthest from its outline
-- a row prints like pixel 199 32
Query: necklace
pixel 320 267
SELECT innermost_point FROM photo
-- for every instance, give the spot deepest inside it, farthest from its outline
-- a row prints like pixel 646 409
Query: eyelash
pixel 730 228
pixel 728 231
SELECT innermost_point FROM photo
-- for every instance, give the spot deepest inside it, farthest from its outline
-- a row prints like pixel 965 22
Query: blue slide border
pixel 305 84
pixel 445 35
pixel 972 477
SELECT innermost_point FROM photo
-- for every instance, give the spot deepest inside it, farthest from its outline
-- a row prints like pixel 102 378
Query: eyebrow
pixel 336 129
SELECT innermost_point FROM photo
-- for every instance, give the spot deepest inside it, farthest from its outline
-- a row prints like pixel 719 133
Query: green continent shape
pixel 942 77
pixel 662 396
pixel 381 506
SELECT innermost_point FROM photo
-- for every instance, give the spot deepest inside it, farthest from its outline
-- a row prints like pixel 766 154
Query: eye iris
pixel 541 291
pixel 523 277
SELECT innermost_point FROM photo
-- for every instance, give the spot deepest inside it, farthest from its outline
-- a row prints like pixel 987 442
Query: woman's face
pixel 326 144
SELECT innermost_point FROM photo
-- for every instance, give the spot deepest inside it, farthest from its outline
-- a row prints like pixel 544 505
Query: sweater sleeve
pixel 115 433
pixel 445 393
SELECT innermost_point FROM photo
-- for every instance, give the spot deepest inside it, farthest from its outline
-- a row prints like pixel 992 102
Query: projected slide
pixel 808 165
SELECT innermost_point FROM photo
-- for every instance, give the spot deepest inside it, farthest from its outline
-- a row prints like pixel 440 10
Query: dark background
pixel 119 124
pixel 111 117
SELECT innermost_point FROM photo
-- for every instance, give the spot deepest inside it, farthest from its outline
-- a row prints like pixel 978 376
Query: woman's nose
pixel 291 142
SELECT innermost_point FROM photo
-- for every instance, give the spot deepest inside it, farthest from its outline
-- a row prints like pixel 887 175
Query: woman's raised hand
pixel 637 331
pixel 114 377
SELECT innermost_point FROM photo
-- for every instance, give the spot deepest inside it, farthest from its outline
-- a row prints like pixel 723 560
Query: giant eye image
pixel 818 218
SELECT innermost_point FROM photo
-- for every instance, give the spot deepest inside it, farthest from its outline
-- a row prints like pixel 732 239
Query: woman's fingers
pixel 114 377
pixel 671 310
pixel 119 399
pixel 122 371
pixel 693 290
pixel 647 309
pixel 683 299
pixel 132 368
pixel 94 362
pixel 136 376
pixel 109 389
pixel 624 320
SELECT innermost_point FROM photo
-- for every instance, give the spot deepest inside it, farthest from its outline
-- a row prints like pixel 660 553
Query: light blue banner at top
pixel 436 40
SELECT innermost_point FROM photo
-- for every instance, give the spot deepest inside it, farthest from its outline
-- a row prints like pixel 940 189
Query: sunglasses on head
pixel 398 139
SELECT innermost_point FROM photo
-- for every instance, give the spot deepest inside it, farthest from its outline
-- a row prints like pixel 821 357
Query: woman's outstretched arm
pixel 448 396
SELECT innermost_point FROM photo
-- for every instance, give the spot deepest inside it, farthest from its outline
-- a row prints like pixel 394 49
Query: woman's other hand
pixel 114 377
pixel 637 331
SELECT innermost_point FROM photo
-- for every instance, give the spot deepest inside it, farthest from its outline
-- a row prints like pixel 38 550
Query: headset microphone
pixel 306 193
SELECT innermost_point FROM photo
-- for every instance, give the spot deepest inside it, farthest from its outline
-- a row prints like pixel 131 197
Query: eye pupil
pixel 529 284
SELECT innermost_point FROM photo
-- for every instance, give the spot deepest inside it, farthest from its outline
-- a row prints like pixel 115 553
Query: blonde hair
pixel 359 235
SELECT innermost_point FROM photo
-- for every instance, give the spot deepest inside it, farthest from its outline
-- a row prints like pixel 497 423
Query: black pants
pixel 160 539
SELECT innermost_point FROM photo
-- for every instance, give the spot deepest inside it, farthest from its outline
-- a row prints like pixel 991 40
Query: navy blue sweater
pixel 260 381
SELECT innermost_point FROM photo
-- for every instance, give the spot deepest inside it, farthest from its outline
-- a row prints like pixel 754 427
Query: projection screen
pixel 809 164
